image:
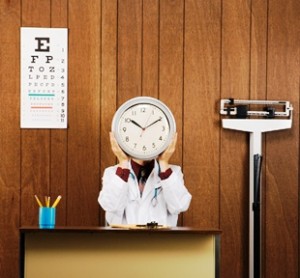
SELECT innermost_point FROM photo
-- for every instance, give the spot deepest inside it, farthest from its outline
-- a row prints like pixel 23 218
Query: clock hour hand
pixel 153 122
pixel 135 123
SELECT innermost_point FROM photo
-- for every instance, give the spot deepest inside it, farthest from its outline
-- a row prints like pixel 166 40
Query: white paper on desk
pixel 136 227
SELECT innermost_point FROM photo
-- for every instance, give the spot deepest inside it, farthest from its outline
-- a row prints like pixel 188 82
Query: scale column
pixel 254 205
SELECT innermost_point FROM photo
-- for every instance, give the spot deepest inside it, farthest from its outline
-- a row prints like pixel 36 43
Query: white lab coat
pixel 123 205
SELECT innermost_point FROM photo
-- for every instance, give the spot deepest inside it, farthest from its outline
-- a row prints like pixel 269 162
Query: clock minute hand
pixel 135 123
pixel 153 123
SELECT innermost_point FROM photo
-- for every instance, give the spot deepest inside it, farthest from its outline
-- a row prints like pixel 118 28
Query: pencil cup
pixel 47 218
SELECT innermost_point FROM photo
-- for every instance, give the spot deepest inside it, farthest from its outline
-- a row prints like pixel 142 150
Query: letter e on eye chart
pixel 44 76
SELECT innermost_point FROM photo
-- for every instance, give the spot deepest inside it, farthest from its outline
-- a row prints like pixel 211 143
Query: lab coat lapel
pixel 134 193
pixel 152 181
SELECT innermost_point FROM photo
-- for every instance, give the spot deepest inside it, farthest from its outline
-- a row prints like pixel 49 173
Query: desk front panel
pixel 119 255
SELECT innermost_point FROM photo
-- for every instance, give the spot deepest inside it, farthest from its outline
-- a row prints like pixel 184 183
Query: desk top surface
pixel 124 229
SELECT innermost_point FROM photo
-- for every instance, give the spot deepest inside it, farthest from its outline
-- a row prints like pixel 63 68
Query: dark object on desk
pixel 150 225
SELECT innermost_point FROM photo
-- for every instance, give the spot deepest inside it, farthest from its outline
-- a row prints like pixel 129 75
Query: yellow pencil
pixel 46 201
pixel 56 201
pixel 38 201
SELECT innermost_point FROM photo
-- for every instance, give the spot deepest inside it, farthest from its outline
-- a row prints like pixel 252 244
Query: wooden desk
pixel 105 252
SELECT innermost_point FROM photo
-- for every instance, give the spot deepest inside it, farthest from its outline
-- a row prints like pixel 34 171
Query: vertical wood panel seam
pixel 67 143
pixel 298 180
pixel 142 47
pixel 50 160
pixel 48 136
pixel 183 84
pixel 100 101
pixel 183 94
pixel 250 49
pixel 50 131
pixel 67 139
pixel 100 115
pixel 267 48
pixel 20 162
pixel 249 97
pixel 117 57
pixel 264 236
pixel 220 127
pixel 50 26
pixel 158 53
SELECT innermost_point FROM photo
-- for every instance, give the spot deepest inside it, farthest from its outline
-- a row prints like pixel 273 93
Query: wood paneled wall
pixel 189 54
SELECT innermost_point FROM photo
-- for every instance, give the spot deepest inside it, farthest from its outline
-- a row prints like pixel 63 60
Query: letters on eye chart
pixel 44 76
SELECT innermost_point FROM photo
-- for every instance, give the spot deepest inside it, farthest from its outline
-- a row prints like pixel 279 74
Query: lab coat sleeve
pixel 175 193
pixel 113 196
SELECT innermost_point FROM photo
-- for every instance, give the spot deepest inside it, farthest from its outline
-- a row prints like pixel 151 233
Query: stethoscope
pixel 157 190
pixel 154 200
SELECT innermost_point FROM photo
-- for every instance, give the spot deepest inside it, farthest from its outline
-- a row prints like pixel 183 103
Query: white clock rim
pixel 146 100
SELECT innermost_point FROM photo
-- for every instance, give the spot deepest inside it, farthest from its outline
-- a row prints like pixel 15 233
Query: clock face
pixel 143 127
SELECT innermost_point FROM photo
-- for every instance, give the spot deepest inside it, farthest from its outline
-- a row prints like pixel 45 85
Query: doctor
pixel 140 192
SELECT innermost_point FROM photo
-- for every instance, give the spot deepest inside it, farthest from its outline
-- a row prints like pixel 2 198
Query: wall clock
pixel 143 127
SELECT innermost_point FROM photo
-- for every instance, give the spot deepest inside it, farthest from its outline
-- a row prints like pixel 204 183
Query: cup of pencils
pixel 47 213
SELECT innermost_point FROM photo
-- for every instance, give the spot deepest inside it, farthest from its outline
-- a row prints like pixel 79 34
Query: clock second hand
pixel 143 129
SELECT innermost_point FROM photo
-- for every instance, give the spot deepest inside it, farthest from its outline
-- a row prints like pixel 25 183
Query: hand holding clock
pixel 118 152
pixel 164 158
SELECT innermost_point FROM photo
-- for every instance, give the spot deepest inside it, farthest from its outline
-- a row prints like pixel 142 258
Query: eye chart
pixel 44 77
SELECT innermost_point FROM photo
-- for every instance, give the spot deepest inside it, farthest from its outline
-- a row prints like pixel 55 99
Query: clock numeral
pixel 143 109
pixel 133 113
pixel 127 120
pixel 163 128
pixel 134 145
pixel 144 148
pixel 153 145
pixel 127 139
pixel 160 138
pixel 124 129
